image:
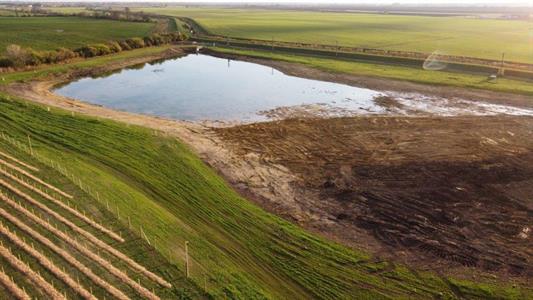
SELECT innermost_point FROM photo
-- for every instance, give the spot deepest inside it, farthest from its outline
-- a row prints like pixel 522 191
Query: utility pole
pixel 336 48
pixel 187 258
pixel 272 45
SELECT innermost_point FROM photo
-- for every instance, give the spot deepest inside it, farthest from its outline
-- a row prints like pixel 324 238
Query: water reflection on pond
pixel 201 87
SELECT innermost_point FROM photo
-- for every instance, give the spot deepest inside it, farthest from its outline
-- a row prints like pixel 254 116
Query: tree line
pixel 17 56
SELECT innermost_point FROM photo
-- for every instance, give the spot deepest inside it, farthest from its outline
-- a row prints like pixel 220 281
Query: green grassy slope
pixel 48 33
pixel 134 247
pixel 452 35
pixel 238 250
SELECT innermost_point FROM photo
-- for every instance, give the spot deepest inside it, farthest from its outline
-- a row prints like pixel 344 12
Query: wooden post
pixel 501 72
pixel 29 143
pixel 187 258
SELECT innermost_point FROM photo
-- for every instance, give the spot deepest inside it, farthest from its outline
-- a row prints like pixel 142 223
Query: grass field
pixel 5 12
pixel 67 9
pixel 49 33
pixel 452 35
pixel 238 250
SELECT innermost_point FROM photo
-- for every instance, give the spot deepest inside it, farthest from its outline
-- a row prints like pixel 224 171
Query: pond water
pixel 201 87
pixel 198 87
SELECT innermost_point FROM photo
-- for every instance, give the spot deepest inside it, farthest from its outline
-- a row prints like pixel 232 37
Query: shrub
pixel 135 43
pixel 16 54
pixel 114 47
pixel 33 58
pixel 93 50
pixel 65 54
pixel 102 49
pixel 6 62
pixel 124 45
pixel 50 57
pixel 86 51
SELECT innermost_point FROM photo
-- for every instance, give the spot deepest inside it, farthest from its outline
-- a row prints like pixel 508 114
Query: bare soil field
pixel 439 192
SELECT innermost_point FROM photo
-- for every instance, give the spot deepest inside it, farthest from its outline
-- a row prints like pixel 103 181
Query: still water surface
pixel 201 87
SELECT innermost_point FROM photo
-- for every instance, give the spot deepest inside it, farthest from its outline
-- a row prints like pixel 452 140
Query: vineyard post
pixel 29 143
pixel 187 258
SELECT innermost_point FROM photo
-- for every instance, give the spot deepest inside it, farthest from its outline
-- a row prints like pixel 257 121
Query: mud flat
pixel 438 192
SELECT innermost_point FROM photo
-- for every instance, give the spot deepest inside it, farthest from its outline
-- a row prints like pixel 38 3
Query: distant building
pixel 35 7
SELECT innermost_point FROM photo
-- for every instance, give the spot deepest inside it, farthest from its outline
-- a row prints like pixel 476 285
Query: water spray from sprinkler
pixel 435 62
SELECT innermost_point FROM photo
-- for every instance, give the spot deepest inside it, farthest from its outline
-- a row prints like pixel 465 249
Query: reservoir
pixel 202 87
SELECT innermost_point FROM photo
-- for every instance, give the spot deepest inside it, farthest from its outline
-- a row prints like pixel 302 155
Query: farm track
pixel 439 192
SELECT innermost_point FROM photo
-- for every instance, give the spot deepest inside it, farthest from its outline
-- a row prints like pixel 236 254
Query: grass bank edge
pixel 421 76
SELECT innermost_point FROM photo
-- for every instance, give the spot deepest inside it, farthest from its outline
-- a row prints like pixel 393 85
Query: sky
pixel 376 1
pixel 513 2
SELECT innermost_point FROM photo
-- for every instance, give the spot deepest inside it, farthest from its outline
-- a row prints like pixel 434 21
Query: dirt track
pixel 438 191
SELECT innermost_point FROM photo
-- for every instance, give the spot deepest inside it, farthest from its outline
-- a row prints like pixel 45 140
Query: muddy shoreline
pixel 272 182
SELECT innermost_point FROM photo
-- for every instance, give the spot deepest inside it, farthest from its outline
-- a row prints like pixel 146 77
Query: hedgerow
pixel 18 57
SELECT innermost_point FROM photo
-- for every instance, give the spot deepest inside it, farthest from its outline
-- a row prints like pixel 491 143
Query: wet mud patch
pixel 436 192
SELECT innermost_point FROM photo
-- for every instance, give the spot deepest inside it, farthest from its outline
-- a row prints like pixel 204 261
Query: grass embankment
pixel 134 247
pixel 392 72
pixel 49 33
pixel 45 71
pixel 463 36
pixel 237 249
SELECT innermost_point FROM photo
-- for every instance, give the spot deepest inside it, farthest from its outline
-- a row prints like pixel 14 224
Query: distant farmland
pixel 53 32
pixel 463 36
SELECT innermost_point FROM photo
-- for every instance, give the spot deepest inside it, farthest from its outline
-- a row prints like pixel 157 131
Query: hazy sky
pixel 514 2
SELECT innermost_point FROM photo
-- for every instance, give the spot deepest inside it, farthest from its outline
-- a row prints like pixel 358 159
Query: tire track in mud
pixel 434 188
